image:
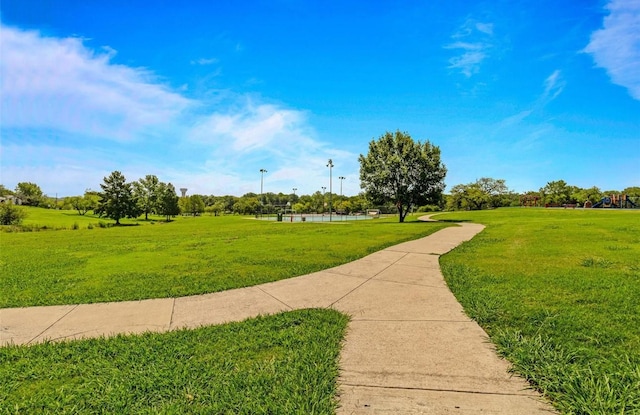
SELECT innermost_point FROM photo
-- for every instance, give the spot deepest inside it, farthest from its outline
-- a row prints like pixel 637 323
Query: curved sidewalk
pixel 409 349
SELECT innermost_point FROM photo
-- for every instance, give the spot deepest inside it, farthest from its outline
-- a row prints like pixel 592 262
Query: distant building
pixel 10 199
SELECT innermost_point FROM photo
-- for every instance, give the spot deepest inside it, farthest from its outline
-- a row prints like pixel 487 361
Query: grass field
pixel 282 364
pixel 184 257
pixel 559 293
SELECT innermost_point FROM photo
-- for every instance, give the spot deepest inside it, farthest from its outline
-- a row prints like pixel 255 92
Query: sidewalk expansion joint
pixel 173 310
pixel 52 324
pixel 367 280
pixel 357 385
pixel 465 321
pixel 275 298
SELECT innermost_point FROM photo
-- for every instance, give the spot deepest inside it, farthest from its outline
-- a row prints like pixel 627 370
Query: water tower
pixel 184 191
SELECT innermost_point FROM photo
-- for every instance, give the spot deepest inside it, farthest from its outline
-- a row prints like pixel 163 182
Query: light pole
pixel 324 188
pixel 330 165
pixel 262 172
pixel 341 178
pixel 294 190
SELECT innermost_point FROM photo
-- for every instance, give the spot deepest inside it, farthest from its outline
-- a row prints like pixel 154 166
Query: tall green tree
pixel 167 201
pixel 196 205
pixel 402 171
pixel 116 198
pixel 556 192
pixel 30 193
pixel 146 194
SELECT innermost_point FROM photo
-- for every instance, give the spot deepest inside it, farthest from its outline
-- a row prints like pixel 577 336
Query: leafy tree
pixel 579 195
pixel 402 171
pixel 116 199
pixel 11 214
pixel 196 205
pixel 167 201
pixel 633 191
pixel 246 205
pixel 84 204
pixel 4 191
pixel 30 193
pixel 556 192
pixel 483 193
pixel 146 194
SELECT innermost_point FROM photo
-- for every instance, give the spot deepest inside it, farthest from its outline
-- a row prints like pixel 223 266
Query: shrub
pixel 11 214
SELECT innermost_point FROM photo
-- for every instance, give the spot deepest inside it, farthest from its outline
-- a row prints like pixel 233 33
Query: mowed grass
pixel 281 364
pixel 184 257
pixel 558 291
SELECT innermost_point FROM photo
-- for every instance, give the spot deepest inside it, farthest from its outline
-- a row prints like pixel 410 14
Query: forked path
pixel 409 349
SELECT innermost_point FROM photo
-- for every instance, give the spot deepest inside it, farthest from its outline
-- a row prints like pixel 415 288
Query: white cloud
pixel 553 86
pixel 60 84
pixel 616 47
pixel 70 116
pixel 204 61
pixel 253 127
pixel 474 40
pixel 486 28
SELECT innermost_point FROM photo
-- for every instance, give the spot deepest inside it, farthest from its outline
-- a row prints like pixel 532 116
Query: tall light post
pixel 341 178
pixel 330 165
pixel 262 172
pixel 294 190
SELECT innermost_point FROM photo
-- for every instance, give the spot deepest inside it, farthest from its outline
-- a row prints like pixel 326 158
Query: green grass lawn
pixel 558 291
pixel 281 364
pixel 184 257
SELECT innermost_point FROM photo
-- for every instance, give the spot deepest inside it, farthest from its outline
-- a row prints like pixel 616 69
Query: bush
pixel 11 214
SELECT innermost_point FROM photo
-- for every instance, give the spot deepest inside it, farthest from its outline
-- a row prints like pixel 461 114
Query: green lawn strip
pixel 558 291
pixel 185 257
pixel 281 364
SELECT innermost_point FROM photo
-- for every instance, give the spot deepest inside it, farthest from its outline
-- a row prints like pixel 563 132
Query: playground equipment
pixel 616 201
pixel 529 200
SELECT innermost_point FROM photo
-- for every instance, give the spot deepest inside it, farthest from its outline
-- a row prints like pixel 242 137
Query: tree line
pixel 488 193
pixel 398 175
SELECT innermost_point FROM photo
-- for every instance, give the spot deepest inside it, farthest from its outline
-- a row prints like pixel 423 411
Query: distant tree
pixel 83 204
pixel 217 208
pixel 402 171
pixel 246 205
pixel 146 194
pixel 29 193
pixel 633 191
pixel 11 214
pixel 167 201
pixel 579 195
pixel 4 191
pixel 556 192
pixel 116 199
pixel 483 193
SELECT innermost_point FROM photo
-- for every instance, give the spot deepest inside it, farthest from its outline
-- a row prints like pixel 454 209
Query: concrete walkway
pixel 410 349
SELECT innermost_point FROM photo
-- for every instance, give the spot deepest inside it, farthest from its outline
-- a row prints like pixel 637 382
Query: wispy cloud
pixel 70 116
pixel 252 127
pixel 616 47
pixel 553 86
pixel 61 84
pixel 204 61
pixel 474 41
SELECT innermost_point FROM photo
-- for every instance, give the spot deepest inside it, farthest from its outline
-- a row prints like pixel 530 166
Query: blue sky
pixel 207 93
